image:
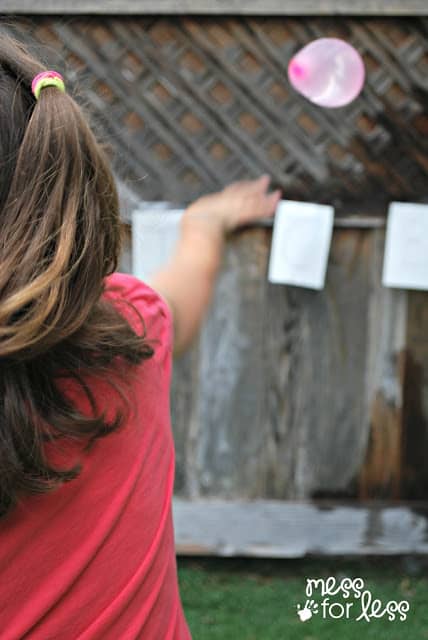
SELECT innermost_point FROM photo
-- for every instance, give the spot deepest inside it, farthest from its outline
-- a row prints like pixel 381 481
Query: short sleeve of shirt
pixel 124 288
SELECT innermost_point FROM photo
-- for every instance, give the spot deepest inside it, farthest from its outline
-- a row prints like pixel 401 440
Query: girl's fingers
pixel 259 185
pixel 273 200
pixel 277 195
pixel 262 182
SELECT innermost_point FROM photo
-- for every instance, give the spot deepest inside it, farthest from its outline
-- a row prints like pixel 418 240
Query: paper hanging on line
pixel 155 234
pixel 405 263
pixel 301 241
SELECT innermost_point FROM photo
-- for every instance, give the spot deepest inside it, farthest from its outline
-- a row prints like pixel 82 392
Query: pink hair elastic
pixel 47 79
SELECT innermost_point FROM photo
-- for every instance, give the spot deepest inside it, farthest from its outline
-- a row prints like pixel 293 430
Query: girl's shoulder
pixel 127 288
pixel 119 284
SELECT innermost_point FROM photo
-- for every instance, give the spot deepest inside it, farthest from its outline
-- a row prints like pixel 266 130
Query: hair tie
pixel 47 79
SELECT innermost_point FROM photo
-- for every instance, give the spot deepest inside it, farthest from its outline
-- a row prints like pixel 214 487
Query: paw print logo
pixel 310 609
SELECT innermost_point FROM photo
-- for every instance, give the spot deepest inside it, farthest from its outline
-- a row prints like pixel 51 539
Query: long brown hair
pixel 61 235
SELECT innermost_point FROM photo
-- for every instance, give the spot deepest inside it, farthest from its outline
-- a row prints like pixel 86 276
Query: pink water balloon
pixel 327 71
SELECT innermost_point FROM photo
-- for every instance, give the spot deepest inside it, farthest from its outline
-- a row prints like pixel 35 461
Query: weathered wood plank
pixel 218 7
pixel 223 426
pixel 415 407
pixel 381 470
pixel 316 359
pixel 264 528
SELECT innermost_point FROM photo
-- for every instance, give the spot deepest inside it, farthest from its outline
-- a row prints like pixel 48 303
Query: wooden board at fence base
pixel 272 529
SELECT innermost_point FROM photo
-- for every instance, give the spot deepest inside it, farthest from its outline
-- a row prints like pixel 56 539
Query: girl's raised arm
pixel 187 280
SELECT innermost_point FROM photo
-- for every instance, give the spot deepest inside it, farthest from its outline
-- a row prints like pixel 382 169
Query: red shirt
pixel 95 559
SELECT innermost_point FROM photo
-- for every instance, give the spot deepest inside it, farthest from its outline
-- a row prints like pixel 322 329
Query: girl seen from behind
pixel 86 448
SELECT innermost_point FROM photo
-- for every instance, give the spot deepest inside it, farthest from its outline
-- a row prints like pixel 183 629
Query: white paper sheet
pixel 155 233
pixel 406 247
pixel 300 244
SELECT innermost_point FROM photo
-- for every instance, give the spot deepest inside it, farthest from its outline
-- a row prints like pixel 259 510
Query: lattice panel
pixel 190 104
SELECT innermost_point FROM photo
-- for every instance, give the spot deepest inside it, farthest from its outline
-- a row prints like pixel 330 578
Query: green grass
pixel 240 599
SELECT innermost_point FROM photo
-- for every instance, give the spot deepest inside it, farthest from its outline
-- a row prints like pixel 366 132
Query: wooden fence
pixel 287 395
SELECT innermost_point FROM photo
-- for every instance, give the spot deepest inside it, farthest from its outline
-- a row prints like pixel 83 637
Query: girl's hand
pixel 238 204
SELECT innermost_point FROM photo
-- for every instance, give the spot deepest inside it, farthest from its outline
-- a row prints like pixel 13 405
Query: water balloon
pixel 328 71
